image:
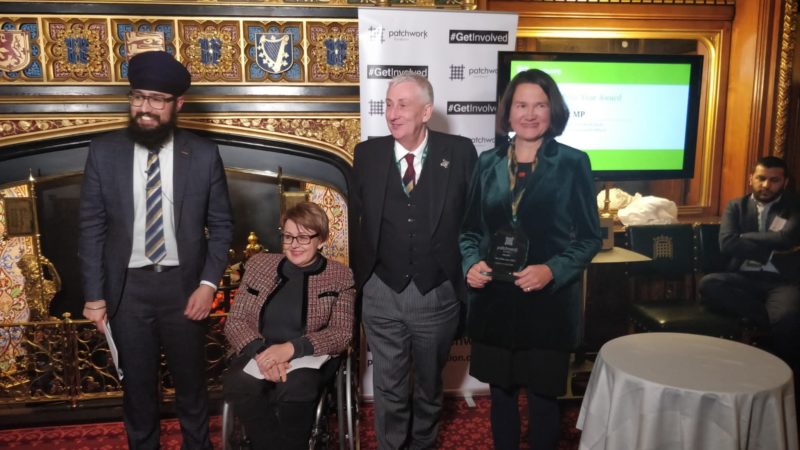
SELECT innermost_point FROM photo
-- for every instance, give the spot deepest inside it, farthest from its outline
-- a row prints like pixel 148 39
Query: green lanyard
pixel 513 170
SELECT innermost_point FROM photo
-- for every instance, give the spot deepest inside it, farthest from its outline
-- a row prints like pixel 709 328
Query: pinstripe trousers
pixel 409 334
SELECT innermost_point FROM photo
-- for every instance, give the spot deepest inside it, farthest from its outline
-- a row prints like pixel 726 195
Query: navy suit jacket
pixel 203 220
pixel 449 164
pixel 739 238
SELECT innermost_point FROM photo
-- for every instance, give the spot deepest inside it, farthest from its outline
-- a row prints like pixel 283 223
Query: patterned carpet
pixel 463 428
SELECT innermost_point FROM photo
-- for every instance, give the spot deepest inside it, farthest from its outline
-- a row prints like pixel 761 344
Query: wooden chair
pixel 663 290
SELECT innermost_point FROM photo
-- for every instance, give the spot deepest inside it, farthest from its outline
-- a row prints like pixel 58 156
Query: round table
pixel 683 391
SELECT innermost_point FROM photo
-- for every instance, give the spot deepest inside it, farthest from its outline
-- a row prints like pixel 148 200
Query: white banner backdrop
pixel 457 52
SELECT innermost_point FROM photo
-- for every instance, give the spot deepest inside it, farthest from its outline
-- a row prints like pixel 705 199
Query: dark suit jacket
pixel 558 213
pixel 449 165
pixel 106 214
pixel 739 238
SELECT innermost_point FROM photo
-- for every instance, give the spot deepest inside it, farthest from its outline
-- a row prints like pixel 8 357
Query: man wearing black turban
pixel 155 229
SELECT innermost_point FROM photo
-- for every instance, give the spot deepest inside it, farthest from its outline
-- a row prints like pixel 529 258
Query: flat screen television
pixel 635 115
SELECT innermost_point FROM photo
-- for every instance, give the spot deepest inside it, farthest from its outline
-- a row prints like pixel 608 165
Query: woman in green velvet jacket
pixel 523 330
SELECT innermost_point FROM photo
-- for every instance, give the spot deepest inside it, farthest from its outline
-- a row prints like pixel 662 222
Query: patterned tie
pixel 154 247
pixel 410 175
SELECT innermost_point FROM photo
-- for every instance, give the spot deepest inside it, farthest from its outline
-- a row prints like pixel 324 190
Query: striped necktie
pixel 154 247
pixel 409 177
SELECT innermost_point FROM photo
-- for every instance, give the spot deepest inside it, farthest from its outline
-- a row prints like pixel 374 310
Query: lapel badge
pixel 445 163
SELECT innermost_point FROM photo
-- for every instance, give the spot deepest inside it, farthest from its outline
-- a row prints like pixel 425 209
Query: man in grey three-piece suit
pixel 155 229
pixel 408 200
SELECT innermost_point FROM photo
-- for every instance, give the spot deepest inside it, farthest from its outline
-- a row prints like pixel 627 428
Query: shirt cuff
pixel 208 283
pixel 302 347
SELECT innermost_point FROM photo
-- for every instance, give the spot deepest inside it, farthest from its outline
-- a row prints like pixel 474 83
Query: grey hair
pixel 421 82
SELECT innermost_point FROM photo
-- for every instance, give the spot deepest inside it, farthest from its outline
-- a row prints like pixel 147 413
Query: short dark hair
pixel 559 112
pixel 773 162
pixel 310 216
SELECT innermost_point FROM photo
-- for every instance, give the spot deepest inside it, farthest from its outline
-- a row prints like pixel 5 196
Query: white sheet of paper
pixel 113 348
pixel 777 224
pixel 309 362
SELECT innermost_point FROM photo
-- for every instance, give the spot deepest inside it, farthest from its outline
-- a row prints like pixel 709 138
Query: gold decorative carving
pixel 784 77
pixel 211 50
pixel 333 51
pixel 18 130
pixel 77 49
pixel 40 285
pixel 338 135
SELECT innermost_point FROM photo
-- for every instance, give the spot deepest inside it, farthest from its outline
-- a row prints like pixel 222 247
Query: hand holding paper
pixel 309 362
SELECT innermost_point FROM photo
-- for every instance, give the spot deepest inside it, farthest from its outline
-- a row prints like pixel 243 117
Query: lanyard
pixel 513 172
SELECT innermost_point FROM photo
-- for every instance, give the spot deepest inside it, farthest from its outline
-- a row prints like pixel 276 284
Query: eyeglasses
pixel 157 102
pixel 303 239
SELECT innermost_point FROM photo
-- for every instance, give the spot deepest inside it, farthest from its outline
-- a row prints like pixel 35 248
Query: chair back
pixel 709 257
pixel 670 273
pixel 671 248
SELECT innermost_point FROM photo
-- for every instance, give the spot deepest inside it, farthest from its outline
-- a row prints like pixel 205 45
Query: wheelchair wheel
pixel 347 404
pixel 233 436
pixel 321 431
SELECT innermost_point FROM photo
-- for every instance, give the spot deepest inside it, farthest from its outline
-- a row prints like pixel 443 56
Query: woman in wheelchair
pixel 287 306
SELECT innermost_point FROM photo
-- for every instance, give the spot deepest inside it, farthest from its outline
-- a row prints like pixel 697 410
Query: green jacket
pixel 558 213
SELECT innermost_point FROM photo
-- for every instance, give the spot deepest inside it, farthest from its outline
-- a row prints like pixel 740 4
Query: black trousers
pixel 150 318
pixel 544 419
pixel 276 415
pixel 768 301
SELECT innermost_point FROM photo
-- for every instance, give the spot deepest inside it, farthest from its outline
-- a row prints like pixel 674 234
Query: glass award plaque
pixel 507 254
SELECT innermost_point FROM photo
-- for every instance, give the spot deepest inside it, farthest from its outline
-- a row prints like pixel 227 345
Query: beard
pixel 151 138
pixel 766 196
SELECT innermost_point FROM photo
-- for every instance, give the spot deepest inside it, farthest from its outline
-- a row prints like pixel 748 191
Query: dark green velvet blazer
pixel 558 213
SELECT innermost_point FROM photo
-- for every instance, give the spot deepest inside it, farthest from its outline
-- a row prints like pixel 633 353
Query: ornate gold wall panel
pixel 80 49
pixel 439 4
pixel 337 247
pixel 338 135
pixel 77 49
pixel 287 38
pixel 785 67
pixel 331 48
pixel 16 130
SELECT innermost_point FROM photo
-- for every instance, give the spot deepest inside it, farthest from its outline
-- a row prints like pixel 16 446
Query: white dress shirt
pixel 165 157
pixel 400 153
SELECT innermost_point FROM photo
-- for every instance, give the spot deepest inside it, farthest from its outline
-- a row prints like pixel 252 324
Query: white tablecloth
pixel 680 391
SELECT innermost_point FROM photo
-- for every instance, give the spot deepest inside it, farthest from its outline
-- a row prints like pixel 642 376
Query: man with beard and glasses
pixel 760 235
pixel 155 229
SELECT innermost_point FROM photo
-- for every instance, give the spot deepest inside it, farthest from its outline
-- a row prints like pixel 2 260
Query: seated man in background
pixel 760 234
pixel 289 305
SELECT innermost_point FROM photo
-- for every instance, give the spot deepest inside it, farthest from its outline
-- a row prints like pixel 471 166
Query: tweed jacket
pixel 328 304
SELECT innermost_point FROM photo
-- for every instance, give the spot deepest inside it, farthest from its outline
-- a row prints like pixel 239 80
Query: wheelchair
pixel 338 403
